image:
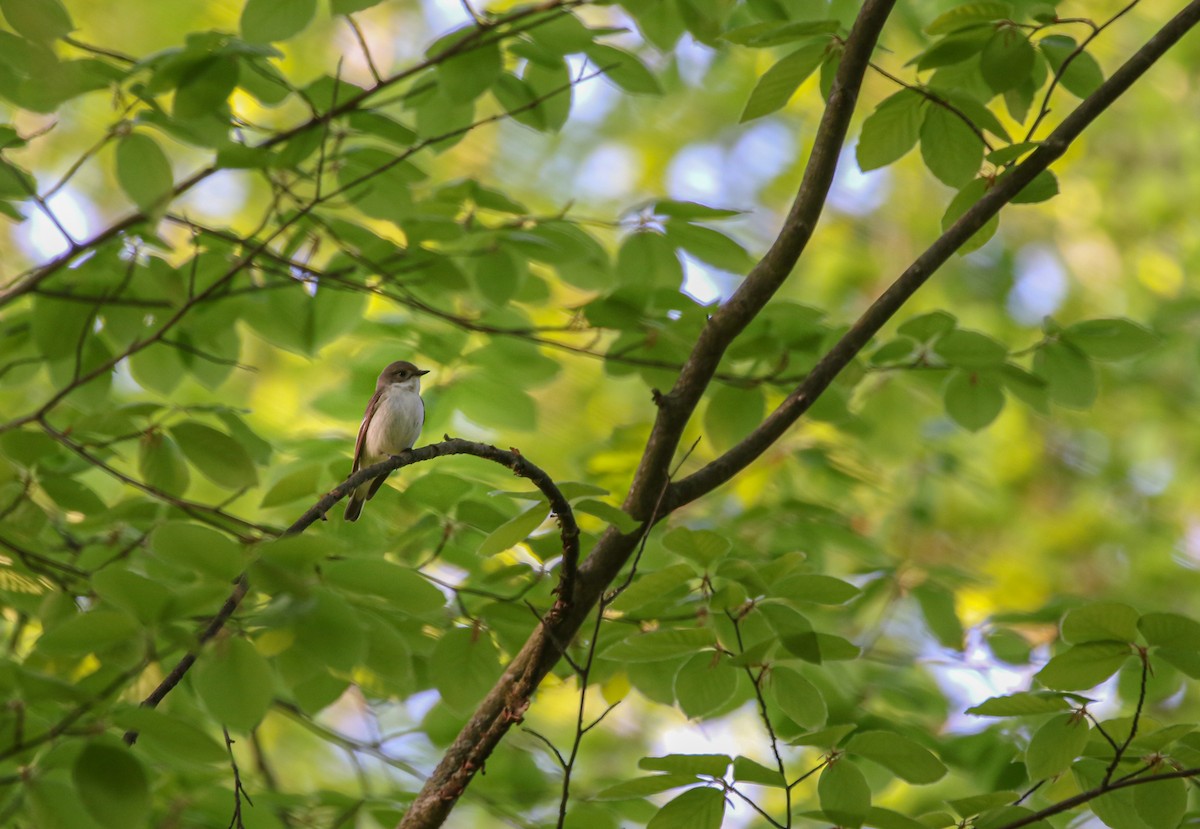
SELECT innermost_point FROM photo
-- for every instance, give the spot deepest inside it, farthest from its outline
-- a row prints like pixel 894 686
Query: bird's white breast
pixel 396 424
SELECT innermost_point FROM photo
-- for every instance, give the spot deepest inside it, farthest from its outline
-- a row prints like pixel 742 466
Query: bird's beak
pixel 423 372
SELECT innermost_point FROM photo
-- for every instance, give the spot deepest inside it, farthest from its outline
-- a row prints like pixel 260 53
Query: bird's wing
pixel 362 430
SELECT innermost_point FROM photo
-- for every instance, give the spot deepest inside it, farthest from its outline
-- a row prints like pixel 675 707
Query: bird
pixel 390 425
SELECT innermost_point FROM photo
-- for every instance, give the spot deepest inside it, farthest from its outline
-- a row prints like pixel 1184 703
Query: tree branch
pixel 883 309
pixel 509 697
pixel 676 406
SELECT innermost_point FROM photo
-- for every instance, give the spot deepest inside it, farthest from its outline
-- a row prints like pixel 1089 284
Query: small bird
pixel 390 425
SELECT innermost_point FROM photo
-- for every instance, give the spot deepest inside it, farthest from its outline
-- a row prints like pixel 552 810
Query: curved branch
pixel 885 307
pixel 513 459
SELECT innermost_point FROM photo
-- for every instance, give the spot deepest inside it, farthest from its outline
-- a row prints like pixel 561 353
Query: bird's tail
pixel 354 505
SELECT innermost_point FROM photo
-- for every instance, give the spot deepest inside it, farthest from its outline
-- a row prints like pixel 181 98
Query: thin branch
pixel 1091 794
pixel 1044 109
pixel 1133 726
pixel 366 51
pixel 239 791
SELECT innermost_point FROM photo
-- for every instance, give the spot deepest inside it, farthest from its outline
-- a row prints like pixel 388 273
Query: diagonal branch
pixel 676 406
pixel 885 307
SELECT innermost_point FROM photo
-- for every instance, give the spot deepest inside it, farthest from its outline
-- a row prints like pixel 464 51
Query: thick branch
pixel 676 407
pixel 798 402
pixel 506 702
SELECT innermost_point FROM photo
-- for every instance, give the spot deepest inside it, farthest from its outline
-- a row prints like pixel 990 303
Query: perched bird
pixel 390 425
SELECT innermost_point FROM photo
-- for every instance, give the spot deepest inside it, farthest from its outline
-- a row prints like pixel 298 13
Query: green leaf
pixel 691 210
pixel 648 258
pixel 112 784
pixel 954 48
pixel 1056 745
pixel 1043 187
pixel 732 414
pixel 38 20
pixel 265 21
pixel 297 484
pixel 844 794
pixel 704 684
pixel 1021 704
pixel 1006 815
pixel 711 765
pixel 144 598
pixel 607 512
pixel 815 647
pixel 970 349
pixel 624 69
pixel 1099 622
pixel 1117 809
pixel 1161 802
pixel 926 327
pixel 699 808
pixel 951 149
pixel 891 130
pixel 776 33
pixel 887 819
pixel 1084 666
pixel 643 786
pixel 798 698
pixel 235 682
pixel 905 758
pixel 219 457
pixel 206 88
pixel 161 464
pixel 553 86
pixel 1009 646
pixel 403 588
pixel 659 645
pixel 464 664
pixel 514 531
pixel 172 735
pixel 968 15
pixel 968 806
pixel 88 632
pixel 143 171
pixel 1170 630
pixel 1069 374
pixel 746 770
pixel 777 85
pixel 351 6
pixel 973 399
pixel 937 606
pixel 197 548
pixel 963 201
pixel 1110 339
pixel 1007 59
pixel 471 72
pixel 1083 74
pixel 813 587
pixel 709 246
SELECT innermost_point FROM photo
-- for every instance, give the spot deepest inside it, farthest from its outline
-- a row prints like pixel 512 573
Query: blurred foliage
pixel 223 219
